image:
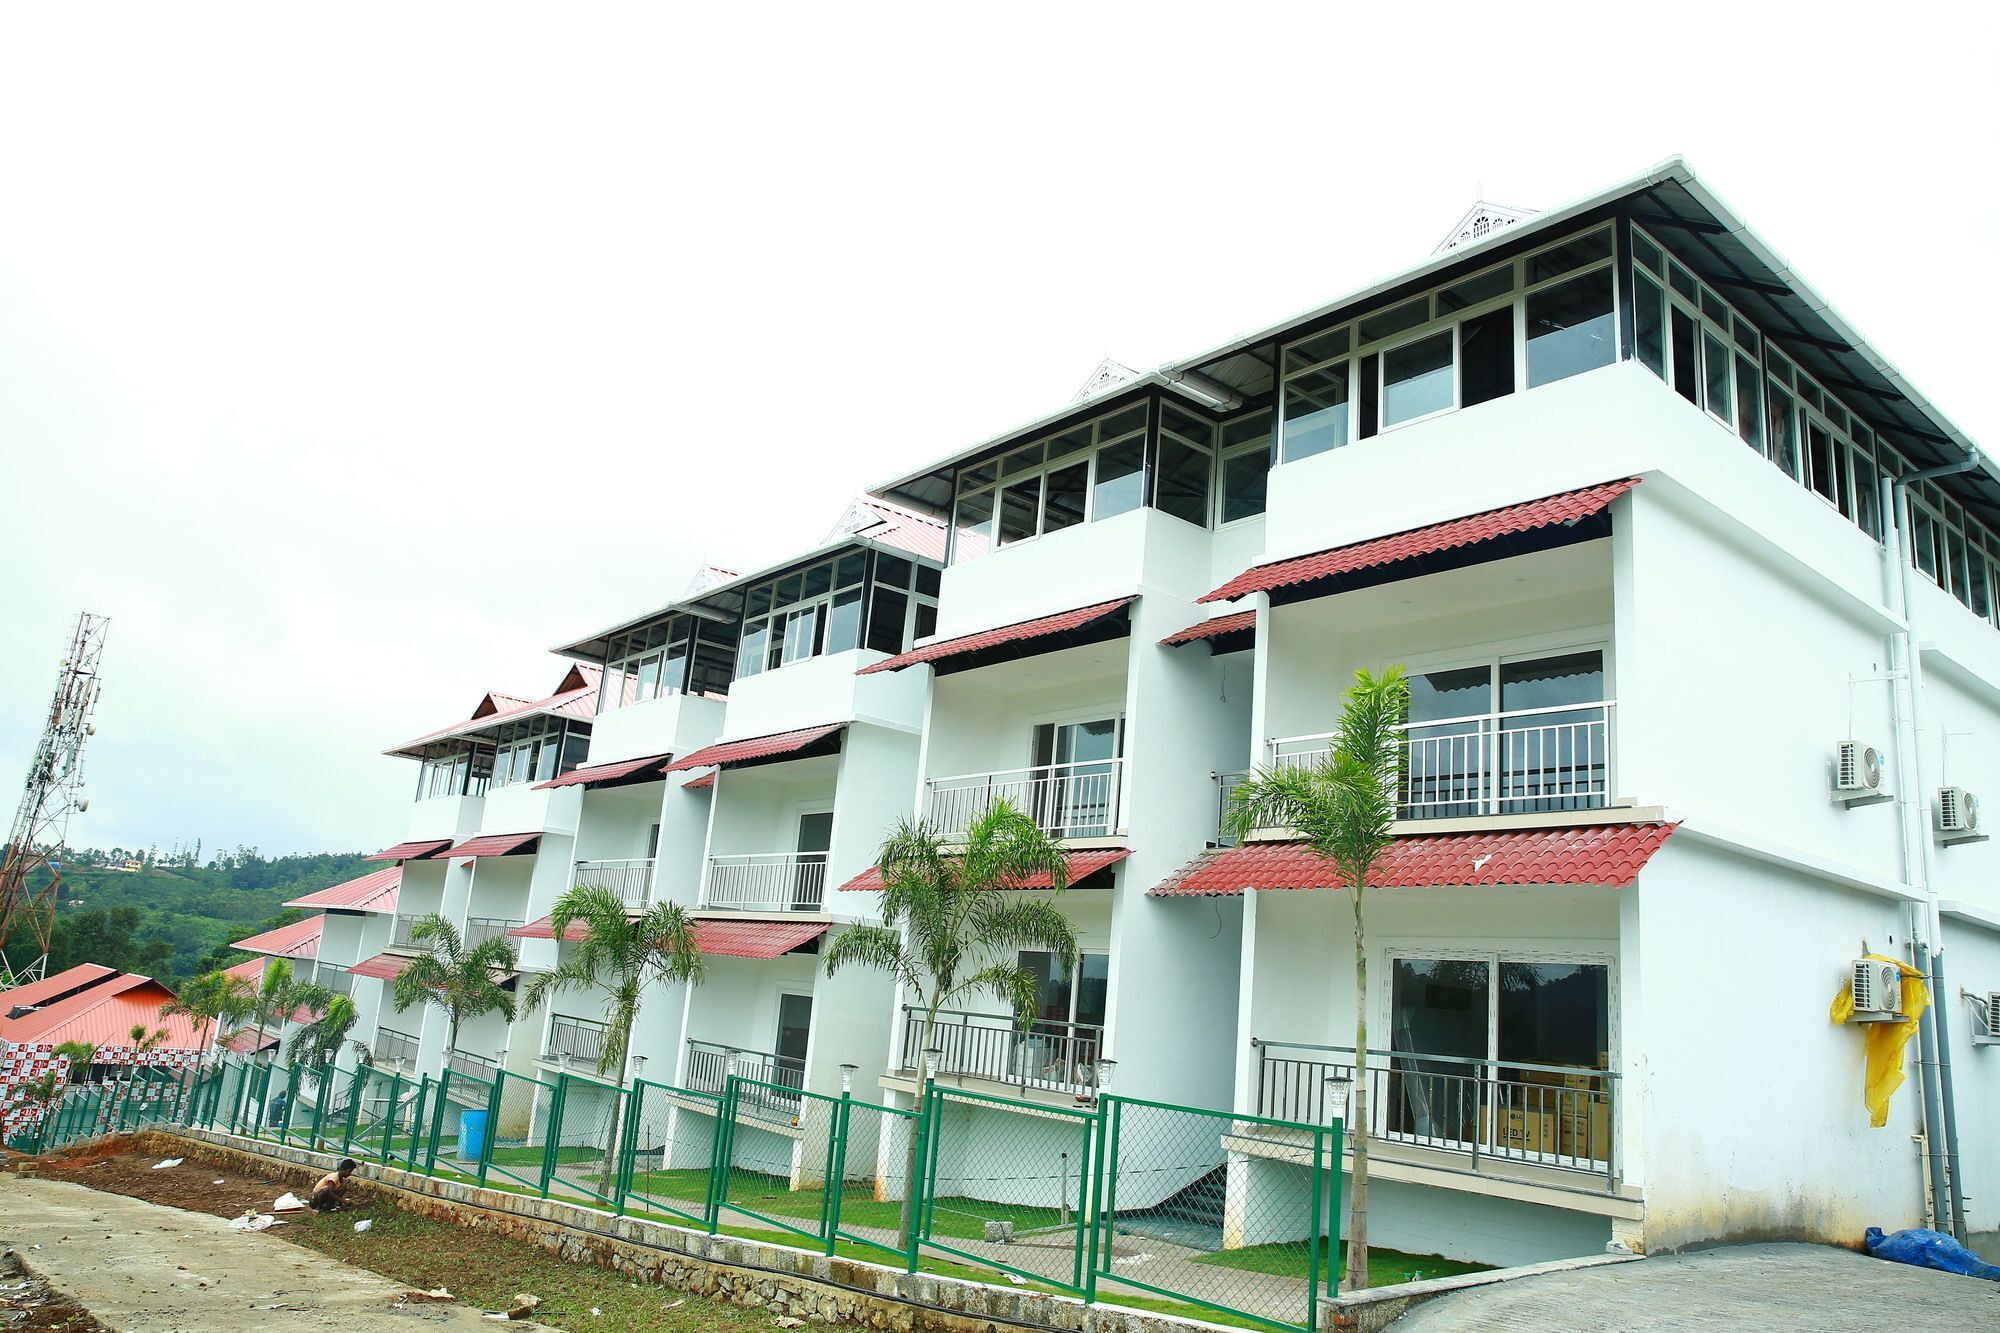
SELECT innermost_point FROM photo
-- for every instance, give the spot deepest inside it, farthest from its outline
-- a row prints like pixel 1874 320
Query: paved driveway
pixel 1740 1287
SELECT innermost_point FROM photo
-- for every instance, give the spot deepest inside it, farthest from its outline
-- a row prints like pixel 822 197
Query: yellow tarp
pixel 1885 1041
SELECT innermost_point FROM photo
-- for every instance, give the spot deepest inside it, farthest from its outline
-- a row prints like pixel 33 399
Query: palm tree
pixel 1343 808
pixel 210 1000
pixel 281 996
pixel 621 952
pixel 462 983
pixel 949 934
pixel 319 1041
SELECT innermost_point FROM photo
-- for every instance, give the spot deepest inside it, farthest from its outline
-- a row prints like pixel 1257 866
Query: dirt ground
pixel 310 1262
pixel 28 1302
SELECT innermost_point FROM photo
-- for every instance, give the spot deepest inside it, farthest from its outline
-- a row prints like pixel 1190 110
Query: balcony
pixel 1529 761
pixel 574 1040
pixel 334 977
pixel 1049 1055
pixel 401 935
pixel 472 1066
pixel 1077 800
pixel 1497 1116
pixel 712 1064
pixel 393 1049
pixel 766 882
pixel 631 880
pixel 479 929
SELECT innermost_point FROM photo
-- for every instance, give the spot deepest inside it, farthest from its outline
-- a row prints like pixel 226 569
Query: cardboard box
pixel 1520 1131
pixel 1584 1129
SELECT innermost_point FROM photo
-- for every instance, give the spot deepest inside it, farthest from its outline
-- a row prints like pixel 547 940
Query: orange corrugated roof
pixel 105 1014
pixel 298 940
pixel 373 892
pixel 66 982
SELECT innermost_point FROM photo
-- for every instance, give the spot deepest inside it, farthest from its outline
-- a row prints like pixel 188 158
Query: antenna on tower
pixel 54 788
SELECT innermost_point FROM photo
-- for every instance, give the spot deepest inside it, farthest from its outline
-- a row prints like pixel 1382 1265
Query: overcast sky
pixel 350 361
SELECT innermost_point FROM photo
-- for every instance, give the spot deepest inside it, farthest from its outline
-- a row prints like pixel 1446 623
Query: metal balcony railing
pixel 473 1066
pixel 479 929
pixel 578 1038
pixel 1526 761
pixel 631 880
pixel 394 1048
pixel 711 1064
pixel 1492 1111
pixel 1052 1055
pixel 1067 800
pixel 767 882
pixel 401 937
pixel 334 977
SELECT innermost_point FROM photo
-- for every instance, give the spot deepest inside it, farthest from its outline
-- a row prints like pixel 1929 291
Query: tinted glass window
pixel 885 620
pixel 1018 506
pixel 1183 487
pixel 1245 478
pixel 1120 479
pixel 1417 379
pixel 1316 411
pixel 1062 506
pixel 1649 326
pixel 1570 328
pixel 1486 356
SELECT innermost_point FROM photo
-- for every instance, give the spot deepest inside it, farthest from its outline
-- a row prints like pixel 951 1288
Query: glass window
pixel 974 526
pixel 885 620
pixel 801 634
pixel 926 621
pixel 1417 379
pixel 1021 460
pixel 1019 504
pixel 929 579
pixel 1715 369
pixel 1570 328
pixel 1979 595
pixel 1867 494
pixel 1557 1014
pixel 1687 380
pixel 892 570
pixel 1569 255
pixel 1819 459
pixel 1486 356
pixel 1649 325
pixel 1682 281
pixel 1183 482
pixel 1646 252
pixel 847 571
pixel 646 679
pixel 1067 492
pixel 1784 431
pixel 1749 403
pixel 1316 411
pixel 843 621
pixel 1923 531
pixel 1483 287
pixel 1120 482
pixel 750 656
pixel 1395 320
pixel 545 758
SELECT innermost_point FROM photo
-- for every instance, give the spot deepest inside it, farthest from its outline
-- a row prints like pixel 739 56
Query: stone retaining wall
pixel 827 1289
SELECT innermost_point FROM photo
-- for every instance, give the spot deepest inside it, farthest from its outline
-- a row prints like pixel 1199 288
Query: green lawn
pixel 1385 1267
pixel 759 1192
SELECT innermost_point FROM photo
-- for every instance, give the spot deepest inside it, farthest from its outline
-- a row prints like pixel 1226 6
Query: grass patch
pixel 760 1192
pixel 1385 1267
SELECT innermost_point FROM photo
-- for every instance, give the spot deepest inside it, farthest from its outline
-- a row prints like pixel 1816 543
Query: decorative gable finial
pixel 1108 376
pixel 1480 221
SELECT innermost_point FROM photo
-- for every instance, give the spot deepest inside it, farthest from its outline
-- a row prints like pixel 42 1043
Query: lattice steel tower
pixel 54 788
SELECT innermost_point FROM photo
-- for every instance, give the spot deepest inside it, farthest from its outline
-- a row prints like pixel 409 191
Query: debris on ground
pixel 27 1303
pixel 1928 1249
pixel 254 1222
pixel 787 1321
pixel 288 1202
pixel 521 1306
pixel 171 1161
pixel 364 1224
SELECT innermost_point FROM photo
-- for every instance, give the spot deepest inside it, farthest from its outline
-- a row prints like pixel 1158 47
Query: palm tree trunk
pixel 611 1172
pixel 1357 1118
pixel 907 1226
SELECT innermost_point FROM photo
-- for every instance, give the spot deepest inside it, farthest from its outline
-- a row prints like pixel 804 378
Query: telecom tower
pixel 54 788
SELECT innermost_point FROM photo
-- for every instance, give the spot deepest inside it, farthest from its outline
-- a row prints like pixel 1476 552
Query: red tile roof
pixel 1525 517
pixel 374 892
pixel 754 939
pixel 298 940
pixel 544 928
pixel 252 971
pixel 1608 854
pixel 1211 629
pixel 417 850
pixel 104 1013
pixel 245 1042
pixel 696 784
pixel 575 696
pixel 1079 863
pixel 756 747
pixel 66 982
pixel 1020 632
pixel 496 844
pixel 383 966
pixel 641 770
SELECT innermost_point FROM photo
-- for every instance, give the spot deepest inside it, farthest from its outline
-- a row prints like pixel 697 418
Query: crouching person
pixel 331 1191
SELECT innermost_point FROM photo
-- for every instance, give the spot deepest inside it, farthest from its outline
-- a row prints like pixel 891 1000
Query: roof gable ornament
pixel 1480 221
pixel 1108 376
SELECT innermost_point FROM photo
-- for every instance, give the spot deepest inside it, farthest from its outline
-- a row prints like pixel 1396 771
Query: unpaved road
pixel 140 1266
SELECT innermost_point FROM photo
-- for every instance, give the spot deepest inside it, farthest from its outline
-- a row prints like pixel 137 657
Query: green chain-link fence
pixel 1230 1214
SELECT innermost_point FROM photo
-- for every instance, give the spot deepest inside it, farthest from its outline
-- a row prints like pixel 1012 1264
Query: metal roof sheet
pixel 417 850
pixel 756 747
pixel 754 939
pixel 383 966
pixel 575 697
pixel 298 940
pixel 105 1014
pixel 1526 516
pixel 1025 631
pixel 374 892
pixel 497 844
pixel 647 769
pixel 66 982
pixel 696 784
pixel 1233 623
pixel 1078 865
pixel 1607 854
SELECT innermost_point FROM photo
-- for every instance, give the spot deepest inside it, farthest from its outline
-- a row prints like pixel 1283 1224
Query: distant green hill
pixel 173 922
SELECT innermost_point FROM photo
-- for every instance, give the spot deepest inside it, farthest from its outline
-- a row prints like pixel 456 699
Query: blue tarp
pixel 1928 1249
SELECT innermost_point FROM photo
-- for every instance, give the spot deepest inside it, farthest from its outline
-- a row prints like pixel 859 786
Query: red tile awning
pixel 544 928
pixel 419 850
pixel 373 892
pixel 1549 511
pixel 383 966
pixel 754 939
pixel 298 940
pixel 497 844
pixel 1238 622
pixel 696 784
pixel 1607 854
pixel 620 773
pixel 774 746
pixel 1021 632
pixel 1079 863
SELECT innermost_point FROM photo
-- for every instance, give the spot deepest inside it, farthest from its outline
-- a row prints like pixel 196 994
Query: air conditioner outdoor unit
pixel 1857 774
pixel 1957 814
pixel 1877 991
pixel 1990 1037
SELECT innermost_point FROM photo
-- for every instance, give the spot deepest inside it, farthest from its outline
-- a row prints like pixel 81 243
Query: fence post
pixel 492 1124
pixel 836 1167
pixel 916 1187
pixel 552 1134
pixel 723 1152
pixel 628 1145
pixel 1107 1116
pixel 417 1122
pixel 437 1123
pixel 1338 1135
pixel 389 1115
pixel 326 1081
pixel 934 1109
pixel 1315 1233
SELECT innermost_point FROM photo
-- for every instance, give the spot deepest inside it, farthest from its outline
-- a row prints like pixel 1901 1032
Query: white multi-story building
pixel 1700 606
